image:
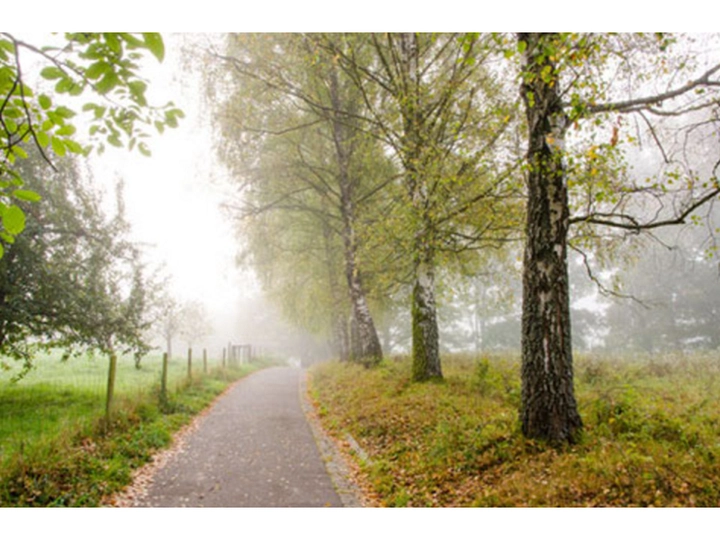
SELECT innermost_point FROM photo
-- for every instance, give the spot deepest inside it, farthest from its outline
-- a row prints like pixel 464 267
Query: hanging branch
pixel 633 224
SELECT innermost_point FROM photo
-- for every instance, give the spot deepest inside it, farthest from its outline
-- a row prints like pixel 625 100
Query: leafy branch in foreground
pixel 102 69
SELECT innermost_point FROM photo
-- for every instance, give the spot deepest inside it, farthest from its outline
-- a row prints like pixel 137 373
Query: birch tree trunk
pixel 110 390
pixel 549 410
pixel 425 336
pixel 340 340
pixel 365 346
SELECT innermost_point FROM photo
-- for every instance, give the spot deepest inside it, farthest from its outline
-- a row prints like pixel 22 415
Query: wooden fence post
pixel 110 388
pixel 163 380
pixel 189 363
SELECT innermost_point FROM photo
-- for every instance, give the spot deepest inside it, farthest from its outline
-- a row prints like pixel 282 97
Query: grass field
pixel 651 437
pixel 55 449
pixel 56 394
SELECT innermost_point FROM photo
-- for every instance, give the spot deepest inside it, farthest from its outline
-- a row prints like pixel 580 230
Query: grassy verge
pixel 651 438
pixel 57 450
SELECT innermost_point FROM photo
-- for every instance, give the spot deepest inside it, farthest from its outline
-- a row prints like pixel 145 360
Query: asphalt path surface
pixel 254 448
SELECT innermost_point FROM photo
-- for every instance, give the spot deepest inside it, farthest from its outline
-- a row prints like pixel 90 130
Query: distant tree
pixel 176 319
pixel 479 297
pixel 671 297
pixel 195 322
pixel 169 322
pixel 294 112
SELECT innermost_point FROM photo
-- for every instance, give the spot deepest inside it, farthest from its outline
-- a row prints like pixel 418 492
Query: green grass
pixel 56 449
pixel 56 395
pixel 651 437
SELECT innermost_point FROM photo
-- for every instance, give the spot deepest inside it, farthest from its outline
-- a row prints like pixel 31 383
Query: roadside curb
pixel 350 494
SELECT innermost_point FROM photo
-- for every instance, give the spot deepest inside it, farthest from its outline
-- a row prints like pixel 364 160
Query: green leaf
pixel 51 73
pixel 66 131
pixel 113 42
pixel 137 89
pixel 27 195
pixel 13 220
pixel 521 46
pixel 154 43
pixel 132 41
pixel 73 146
pixel 6 46
pixel 531 99
pixel 19 151
pixel 97 109
pixel 65 112
pixel 546 74
pixel 44 101
pixel 63 85
pixel 76 89
pixel 7 238
pixel 58 146
pixel 96 70
pixel 12 112
pixel 7 78
pixel 107 83
pixel 115 140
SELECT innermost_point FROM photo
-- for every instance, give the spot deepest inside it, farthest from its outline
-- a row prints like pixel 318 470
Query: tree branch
pixel 632 224
pixel 632 105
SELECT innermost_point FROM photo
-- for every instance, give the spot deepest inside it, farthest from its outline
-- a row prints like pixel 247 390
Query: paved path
pixel 253 449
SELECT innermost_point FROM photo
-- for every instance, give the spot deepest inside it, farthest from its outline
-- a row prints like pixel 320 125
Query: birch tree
pixel 578 89
pixel 286 73
pixel 434 102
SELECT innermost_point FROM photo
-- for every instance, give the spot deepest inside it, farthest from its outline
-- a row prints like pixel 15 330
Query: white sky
pixel 368 15
pixel 173 198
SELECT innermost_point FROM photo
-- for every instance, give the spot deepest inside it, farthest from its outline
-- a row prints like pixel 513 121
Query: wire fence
pixel 56 395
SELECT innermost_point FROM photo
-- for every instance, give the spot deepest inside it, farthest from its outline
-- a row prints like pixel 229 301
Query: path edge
pixel 339 471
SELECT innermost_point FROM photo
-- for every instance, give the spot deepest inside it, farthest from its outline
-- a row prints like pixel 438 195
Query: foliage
pixel 72 280
pixel 650 439
pixel 325 132
pixel 105 66
pixel 309 178
pixel 438 106
pixel 188 319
